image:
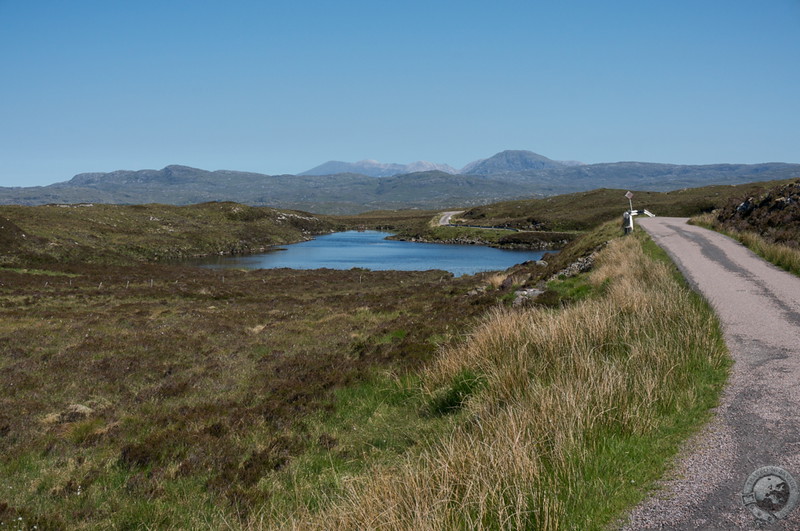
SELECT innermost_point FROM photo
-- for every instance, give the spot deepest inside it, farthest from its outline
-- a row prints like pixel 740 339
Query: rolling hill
pixel 510 161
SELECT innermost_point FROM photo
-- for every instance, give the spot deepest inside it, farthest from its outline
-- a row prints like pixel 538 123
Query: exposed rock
pixel 477 291
pixel 775 214
pixel 745 207
pixel 526 296
pixel 581 265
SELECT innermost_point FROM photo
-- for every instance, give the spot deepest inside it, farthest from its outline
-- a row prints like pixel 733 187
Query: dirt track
pixel 758 421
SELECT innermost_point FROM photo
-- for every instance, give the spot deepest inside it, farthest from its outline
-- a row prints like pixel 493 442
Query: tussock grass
pixel 575 411
pixel 157 397
pixel 781 255
pixel 496 280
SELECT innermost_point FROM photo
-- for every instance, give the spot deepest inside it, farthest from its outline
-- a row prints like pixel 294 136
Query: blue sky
pixel 282 86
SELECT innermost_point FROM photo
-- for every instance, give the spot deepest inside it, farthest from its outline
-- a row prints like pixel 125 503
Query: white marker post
pixel 627 221
pixel 627 217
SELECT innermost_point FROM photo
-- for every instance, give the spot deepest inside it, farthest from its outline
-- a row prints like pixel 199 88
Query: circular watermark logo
pixel 770 493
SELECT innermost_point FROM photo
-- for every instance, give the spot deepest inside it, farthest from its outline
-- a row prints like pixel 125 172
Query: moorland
pixel 141 393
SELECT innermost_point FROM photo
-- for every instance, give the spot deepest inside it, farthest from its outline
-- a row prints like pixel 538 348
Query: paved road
pixel 445 219
pixel 758 421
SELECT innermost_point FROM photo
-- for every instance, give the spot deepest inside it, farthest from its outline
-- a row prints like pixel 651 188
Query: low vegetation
pixel 557 409
pixel 118 234
pixel 586 210
pixel 767 223
pixel 551 222
pixel 387 220
pixel 163 396
pixel 158 396
pixel 491 236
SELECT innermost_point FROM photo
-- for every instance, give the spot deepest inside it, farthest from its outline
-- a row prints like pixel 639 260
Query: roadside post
pixel 627 217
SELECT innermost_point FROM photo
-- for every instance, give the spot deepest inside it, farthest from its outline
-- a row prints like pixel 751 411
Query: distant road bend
pixel 758 421
pixel 445 219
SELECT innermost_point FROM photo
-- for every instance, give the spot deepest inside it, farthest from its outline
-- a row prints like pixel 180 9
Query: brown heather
pixel 166 397
pixel 177 398
pixel 569 408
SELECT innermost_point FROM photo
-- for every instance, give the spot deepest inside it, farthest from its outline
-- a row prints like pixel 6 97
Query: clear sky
pixel 278 86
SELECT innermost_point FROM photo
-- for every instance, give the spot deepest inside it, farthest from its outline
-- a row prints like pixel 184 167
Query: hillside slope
pixel 584 210
pixel 510 161
pixel 328 194
pixel 114 234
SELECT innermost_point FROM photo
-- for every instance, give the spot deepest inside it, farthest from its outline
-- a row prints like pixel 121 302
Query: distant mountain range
pixel 503 162
pixel 506 175
pixel 373 168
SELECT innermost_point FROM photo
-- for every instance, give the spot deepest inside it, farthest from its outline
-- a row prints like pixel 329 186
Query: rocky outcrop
pixel 775 215
pixel 581 265
pixel 527 296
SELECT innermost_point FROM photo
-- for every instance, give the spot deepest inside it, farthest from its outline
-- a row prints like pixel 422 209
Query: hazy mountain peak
pixel 373 168
pixel 511 160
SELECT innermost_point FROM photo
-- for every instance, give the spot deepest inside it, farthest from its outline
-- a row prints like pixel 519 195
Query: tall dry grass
pixel 783 256
pixel 559 389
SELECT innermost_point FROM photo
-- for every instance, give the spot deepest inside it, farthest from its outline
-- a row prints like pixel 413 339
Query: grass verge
pixel 783 256
pixel 566 416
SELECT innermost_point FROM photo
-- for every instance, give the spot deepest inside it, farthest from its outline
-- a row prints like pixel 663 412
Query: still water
pixel 370 250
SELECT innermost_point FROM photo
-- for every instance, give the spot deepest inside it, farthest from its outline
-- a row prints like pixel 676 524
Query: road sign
pixel 629 195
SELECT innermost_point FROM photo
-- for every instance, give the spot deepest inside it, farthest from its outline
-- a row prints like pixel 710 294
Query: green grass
pixel 43 272
pixel 783 256
pixel 451 399
pixel 578 410
pixel 571 289
pixel 373 423
pixel 206 399
pixel 272 399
